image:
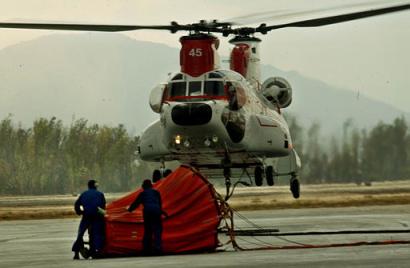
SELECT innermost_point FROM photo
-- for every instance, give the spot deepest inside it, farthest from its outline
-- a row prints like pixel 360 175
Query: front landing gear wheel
pixel 269 175
pixel 258 176
pixel 295 187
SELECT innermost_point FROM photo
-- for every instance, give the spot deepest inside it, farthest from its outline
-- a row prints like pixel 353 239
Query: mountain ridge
pixel 107 78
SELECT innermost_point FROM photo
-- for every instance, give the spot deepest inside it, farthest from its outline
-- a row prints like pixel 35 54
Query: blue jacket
pixel 151 199
pixel 90 200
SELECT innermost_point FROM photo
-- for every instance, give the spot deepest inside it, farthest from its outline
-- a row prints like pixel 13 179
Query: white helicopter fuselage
pixel 199 128
pixel 213 118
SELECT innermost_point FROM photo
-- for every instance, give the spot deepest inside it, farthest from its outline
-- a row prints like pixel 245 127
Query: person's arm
pixel 103 201
pixel 77 205
pixel 160 205
pixel 136 203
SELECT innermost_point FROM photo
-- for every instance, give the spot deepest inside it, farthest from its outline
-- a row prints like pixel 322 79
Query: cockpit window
pixel 214 88
pixel 195 88
pixel 177 89
pixel 177 77
pixel 215 75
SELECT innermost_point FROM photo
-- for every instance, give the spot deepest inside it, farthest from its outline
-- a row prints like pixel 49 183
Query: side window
pixel 177 89
pixel 215 75
pixel 214 88
pixel 177 77
pixel 195 88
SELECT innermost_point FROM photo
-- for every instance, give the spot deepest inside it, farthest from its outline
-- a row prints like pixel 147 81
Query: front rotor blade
pixel 335 19
pixel 83 27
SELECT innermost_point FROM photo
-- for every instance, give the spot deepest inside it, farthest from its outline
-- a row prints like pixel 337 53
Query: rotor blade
pixel 273 15
pixel 334 19
pixel 86 27
pixel 257 17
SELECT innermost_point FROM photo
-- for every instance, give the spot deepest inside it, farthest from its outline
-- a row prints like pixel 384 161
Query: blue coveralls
pixel 90 200
pixel 151 199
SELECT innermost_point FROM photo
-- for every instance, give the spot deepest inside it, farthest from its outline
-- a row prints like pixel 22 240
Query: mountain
pixel 103 78
pixel 316 101
pixel 107 78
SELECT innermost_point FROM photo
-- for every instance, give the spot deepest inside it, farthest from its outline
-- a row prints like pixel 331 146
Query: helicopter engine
pixel 277 91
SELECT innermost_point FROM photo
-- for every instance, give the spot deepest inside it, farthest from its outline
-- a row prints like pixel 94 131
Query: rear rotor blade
pixel 273 15
pixel 334 19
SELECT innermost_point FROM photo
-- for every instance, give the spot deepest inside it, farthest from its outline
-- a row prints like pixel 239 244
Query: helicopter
pixel 217 119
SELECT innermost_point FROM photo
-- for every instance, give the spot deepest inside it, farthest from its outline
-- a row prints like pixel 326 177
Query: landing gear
pixel 295 186
pixel 227 176
pixel 269 175
pixel 258 176
pixel 230 186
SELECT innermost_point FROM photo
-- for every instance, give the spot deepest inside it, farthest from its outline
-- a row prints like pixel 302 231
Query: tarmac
pixel 47 243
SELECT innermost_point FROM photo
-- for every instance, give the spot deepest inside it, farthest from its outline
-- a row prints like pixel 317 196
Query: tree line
pixel 50 158
pixel 359 155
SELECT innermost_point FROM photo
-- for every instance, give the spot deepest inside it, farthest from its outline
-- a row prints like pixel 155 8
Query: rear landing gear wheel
pixel 269 175
pixel 156 175
pixel 295 187
pixel 258 176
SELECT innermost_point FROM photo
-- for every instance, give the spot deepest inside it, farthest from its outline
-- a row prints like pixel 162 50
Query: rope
pixel 227 217
pixel 226 213
pixel 353 244
pixel 261 229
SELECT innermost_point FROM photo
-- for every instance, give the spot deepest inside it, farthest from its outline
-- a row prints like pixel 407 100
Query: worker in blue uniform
pixel 90 205
pixel 151 200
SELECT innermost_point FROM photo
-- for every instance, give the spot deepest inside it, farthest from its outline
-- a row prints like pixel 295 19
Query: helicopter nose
pixel 191 114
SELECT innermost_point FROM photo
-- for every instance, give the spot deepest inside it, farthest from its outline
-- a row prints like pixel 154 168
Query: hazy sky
pixel 369 56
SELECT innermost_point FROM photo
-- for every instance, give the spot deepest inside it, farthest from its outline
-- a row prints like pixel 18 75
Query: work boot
pixel 85 252
pixel 76 256
pixel 97 255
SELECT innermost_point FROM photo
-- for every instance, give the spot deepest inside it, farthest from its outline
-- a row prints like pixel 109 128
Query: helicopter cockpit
pixel 217 85
pixel 210 87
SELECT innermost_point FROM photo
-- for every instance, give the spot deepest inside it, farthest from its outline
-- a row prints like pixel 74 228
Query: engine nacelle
pixel 277 91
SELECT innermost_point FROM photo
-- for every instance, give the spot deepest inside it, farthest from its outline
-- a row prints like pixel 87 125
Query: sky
pixel 369 56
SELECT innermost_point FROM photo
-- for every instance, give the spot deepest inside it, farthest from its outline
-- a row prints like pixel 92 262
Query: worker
pixel 90 205
pixel 151 200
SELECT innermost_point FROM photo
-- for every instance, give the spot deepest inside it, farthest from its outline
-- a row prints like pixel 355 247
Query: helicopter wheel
pixel 269 175
pixel 258 176
pixel 156 175
pixel 295 187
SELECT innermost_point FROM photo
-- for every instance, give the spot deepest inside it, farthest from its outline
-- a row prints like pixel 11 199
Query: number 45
pixel 195 52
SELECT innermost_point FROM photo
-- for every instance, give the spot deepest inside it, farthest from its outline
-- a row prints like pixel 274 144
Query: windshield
pixel 177 89
pixel 197 90
pixel 214 88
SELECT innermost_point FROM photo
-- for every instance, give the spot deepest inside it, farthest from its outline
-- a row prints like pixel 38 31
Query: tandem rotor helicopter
pixel 220 119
